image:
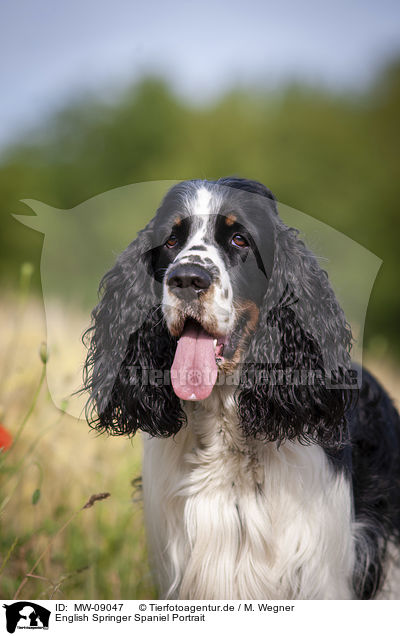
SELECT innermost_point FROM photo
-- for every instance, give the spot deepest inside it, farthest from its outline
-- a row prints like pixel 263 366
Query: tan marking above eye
pixel 177 220
pixel 230 219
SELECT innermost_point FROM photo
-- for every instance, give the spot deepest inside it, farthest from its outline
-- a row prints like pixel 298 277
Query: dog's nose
pixel 188 281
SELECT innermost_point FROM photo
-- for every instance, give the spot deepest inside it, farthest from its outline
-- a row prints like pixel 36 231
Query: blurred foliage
pixel 332 156
pixel 53 466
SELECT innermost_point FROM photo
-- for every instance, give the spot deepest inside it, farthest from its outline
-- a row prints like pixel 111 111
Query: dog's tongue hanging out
pixel 194 370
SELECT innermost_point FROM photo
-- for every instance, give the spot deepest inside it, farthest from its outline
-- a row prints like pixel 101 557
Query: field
pixel 51 547
pixel 55 466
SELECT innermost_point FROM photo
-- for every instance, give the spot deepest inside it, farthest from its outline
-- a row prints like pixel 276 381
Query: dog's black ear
pixel 298 355
pixel 130 350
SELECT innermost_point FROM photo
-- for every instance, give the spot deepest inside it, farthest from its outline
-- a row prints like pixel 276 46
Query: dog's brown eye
pixel 239 240
pixel 172 241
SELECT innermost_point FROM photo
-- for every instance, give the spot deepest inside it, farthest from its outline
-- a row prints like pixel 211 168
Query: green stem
pixel 22 464
pixel 91 501
pixel 9 553
pixel 26 273
pixel 30 410
pixel 48 546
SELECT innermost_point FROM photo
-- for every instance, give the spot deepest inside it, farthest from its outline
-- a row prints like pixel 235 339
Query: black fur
pixel 301 329
pixel 127 323
pixel 375 441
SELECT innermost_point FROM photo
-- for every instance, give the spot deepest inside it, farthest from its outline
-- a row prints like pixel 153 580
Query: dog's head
pixel 216 283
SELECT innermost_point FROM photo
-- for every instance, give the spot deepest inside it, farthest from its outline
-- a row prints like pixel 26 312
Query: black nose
pixel 188 281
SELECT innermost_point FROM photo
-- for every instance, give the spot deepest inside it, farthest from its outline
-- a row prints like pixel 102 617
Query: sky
pixel 53 50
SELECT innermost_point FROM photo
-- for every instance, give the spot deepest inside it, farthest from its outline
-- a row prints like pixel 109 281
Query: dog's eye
pixel 172 241
pixel 239 241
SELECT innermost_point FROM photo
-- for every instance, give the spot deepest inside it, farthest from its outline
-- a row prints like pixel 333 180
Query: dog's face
pixel 217 282
pixel 214 264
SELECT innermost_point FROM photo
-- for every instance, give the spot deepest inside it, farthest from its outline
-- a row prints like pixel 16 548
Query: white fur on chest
pixel 228 518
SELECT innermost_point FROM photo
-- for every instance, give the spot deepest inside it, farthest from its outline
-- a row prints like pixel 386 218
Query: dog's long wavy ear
pixel 298 355
pixel 130 351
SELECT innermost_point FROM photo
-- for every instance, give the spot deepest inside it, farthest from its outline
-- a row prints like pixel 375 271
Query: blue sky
pixel 51 50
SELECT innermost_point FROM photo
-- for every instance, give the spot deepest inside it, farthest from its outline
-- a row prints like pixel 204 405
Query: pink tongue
pixel 194 370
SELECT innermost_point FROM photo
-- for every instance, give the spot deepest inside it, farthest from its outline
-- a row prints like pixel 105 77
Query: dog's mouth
pixel 195 367
pixel 200 355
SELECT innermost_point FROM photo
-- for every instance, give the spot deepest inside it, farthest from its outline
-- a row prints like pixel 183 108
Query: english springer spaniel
pixel 270 471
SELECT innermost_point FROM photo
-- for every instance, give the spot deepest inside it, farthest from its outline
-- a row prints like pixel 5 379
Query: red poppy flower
pixel 5 438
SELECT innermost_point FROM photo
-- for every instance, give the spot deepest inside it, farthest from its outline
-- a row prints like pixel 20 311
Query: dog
pixel 271 464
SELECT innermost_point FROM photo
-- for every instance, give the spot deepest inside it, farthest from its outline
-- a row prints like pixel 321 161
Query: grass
pixel 48 542
pixel 50 546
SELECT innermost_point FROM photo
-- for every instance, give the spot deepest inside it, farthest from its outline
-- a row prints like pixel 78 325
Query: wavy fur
pixel 286 485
